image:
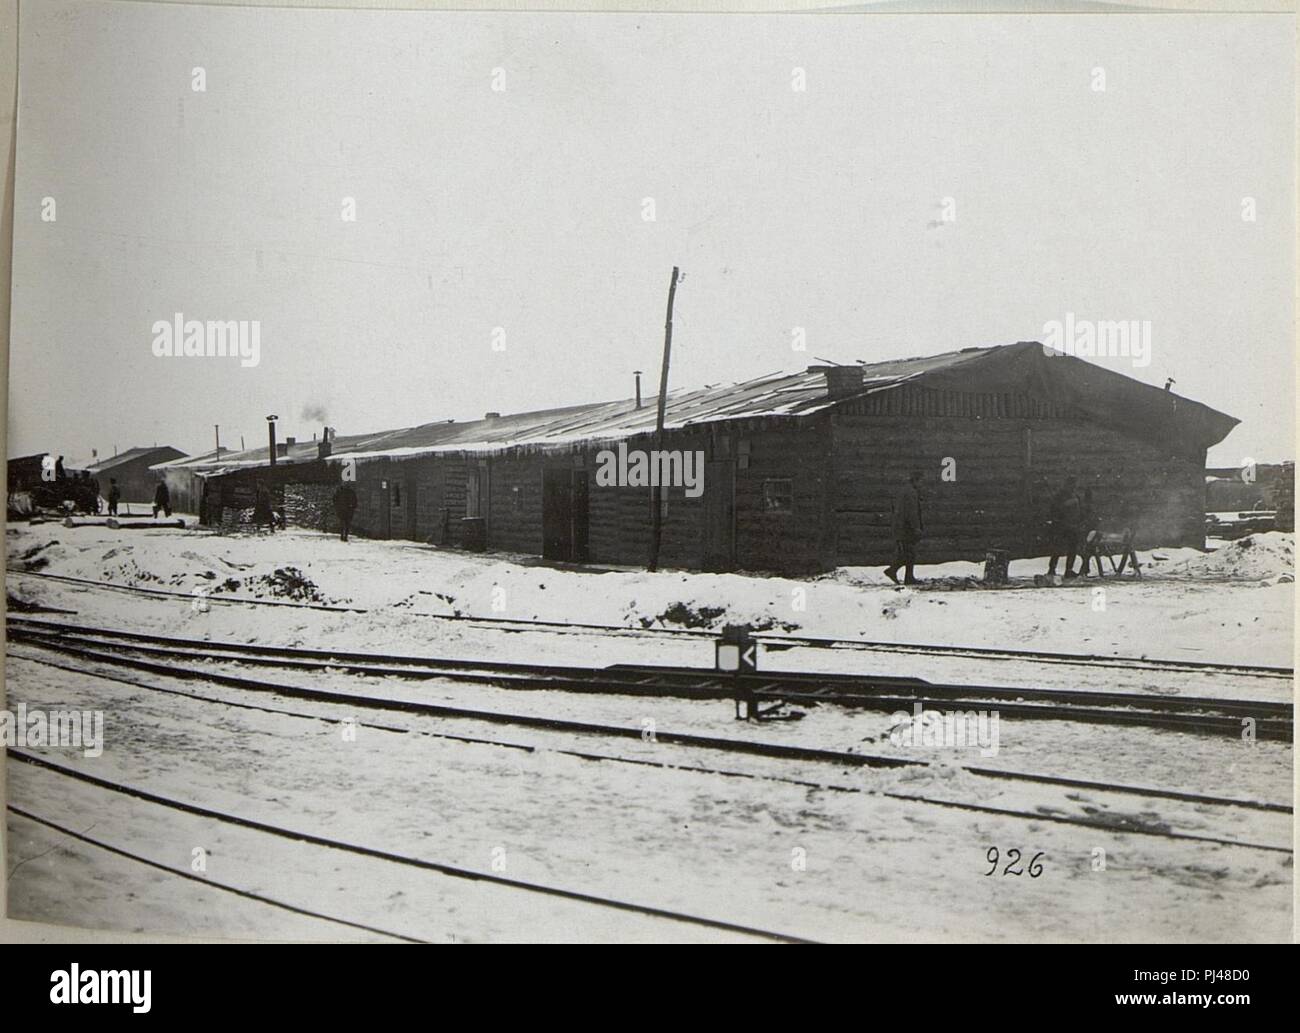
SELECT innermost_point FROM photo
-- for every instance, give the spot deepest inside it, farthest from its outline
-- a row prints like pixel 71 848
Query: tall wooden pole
pixel 656 517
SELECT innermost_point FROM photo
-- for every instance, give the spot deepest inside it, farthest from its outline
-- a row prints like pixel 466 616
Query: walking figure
pixel 908 527
pixel 262 513
pixel 162 499
pixel 1063 528
pixel 1090 534
pixel 345 504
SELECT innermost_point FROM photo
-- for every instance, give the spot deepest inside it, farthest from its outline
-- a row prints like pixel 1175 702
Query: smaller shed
pixel 24 472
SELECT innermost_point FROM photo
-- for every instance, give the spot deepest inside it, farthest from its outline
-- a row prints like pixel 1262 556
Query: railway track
pixel 773 641
pixel 303 836
pixel 725 745
pixel 188 876
pixel 836 758
pixel 250 672
pixel 1200 715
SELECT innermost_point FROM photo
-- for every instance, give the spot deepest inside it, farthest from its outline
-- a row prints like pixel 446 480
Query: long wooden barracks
pixel 799 470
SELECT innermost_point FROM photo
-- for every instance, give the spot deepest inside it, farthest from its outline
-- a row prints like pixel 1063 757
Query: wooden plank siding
pixel 793 539
pixel 620 517
pixel 1009 459
pixel 515 504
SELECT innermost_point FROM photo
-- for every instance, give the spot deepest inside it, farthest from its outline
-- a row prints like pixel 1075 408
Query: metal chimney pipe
pixel 637 373
pixel 270 430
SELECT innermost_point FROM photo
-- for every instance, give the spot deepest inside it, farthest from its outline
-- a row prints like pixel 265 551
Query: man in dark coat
pixel 908 527
pixel 114 496
pixel 162 499
pixel 1089 533
pixel 345 504
pixel 1066 519
pixel 262 513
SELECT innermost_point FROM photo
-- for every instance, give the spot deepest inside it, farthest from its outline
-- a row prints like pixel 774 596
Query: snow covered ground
pixel 799 860
pixel 748 842
pixel 1235 604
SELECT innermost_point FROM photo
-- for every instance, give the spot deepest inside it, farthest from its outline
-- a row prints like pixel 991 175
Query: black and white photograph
pixel 651 477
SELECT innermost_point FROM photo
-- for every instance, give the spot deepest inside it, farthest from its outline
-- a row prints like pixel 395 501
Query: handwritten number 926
pixel 994 858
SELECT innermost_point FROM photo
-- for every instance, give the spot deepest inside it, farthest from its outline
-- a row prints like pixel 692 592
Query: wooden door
pixel 581 516
pixel 557 513
pixel 720 515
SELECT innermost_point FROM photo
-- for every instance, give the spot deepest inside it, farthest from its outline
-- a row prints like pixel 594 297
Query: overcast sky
pixel 523 208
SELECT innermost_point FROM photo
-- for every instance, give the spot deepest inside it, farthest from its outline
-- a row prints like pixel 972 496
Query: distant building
pixel 1230 488
pixel 800 469
pixel 131 468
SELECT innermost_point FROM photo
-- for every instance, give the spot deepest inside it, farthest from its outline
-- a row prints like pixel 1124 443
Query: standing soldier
pixel 345 504
pixel 114 496
pixel 1089 533
pixel 908 526
pixel 1067 514
pixel 262 508
pixel 162 499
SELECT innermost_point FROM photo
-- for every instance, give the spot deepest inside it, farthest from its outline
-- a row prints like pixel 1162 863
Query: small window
pixel 778 496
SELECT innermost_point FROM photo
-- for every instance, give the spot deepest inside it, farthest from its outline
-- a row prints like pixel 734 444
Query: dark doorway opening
pixel 410 495
pixel 720 515
pixel 565 514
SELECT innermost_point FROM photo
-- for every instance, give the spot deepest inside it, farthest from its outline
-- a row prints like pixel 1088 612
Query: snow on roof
pixel 774 395
pixel 129 455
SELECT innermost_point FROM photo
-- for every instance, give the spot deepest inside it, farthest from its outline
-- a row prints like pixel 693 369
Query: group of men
pixel 1072 529
pixel 83 490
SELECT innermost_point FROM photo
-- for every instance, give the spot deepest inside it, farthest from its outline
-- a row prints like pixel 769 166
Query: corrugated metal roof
pixel 773 395
pixel 776 395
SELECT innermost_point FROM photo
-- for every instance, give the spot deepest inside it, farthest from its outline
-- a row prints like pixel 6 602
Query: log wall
pixel 620 517
pixel 1005 470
